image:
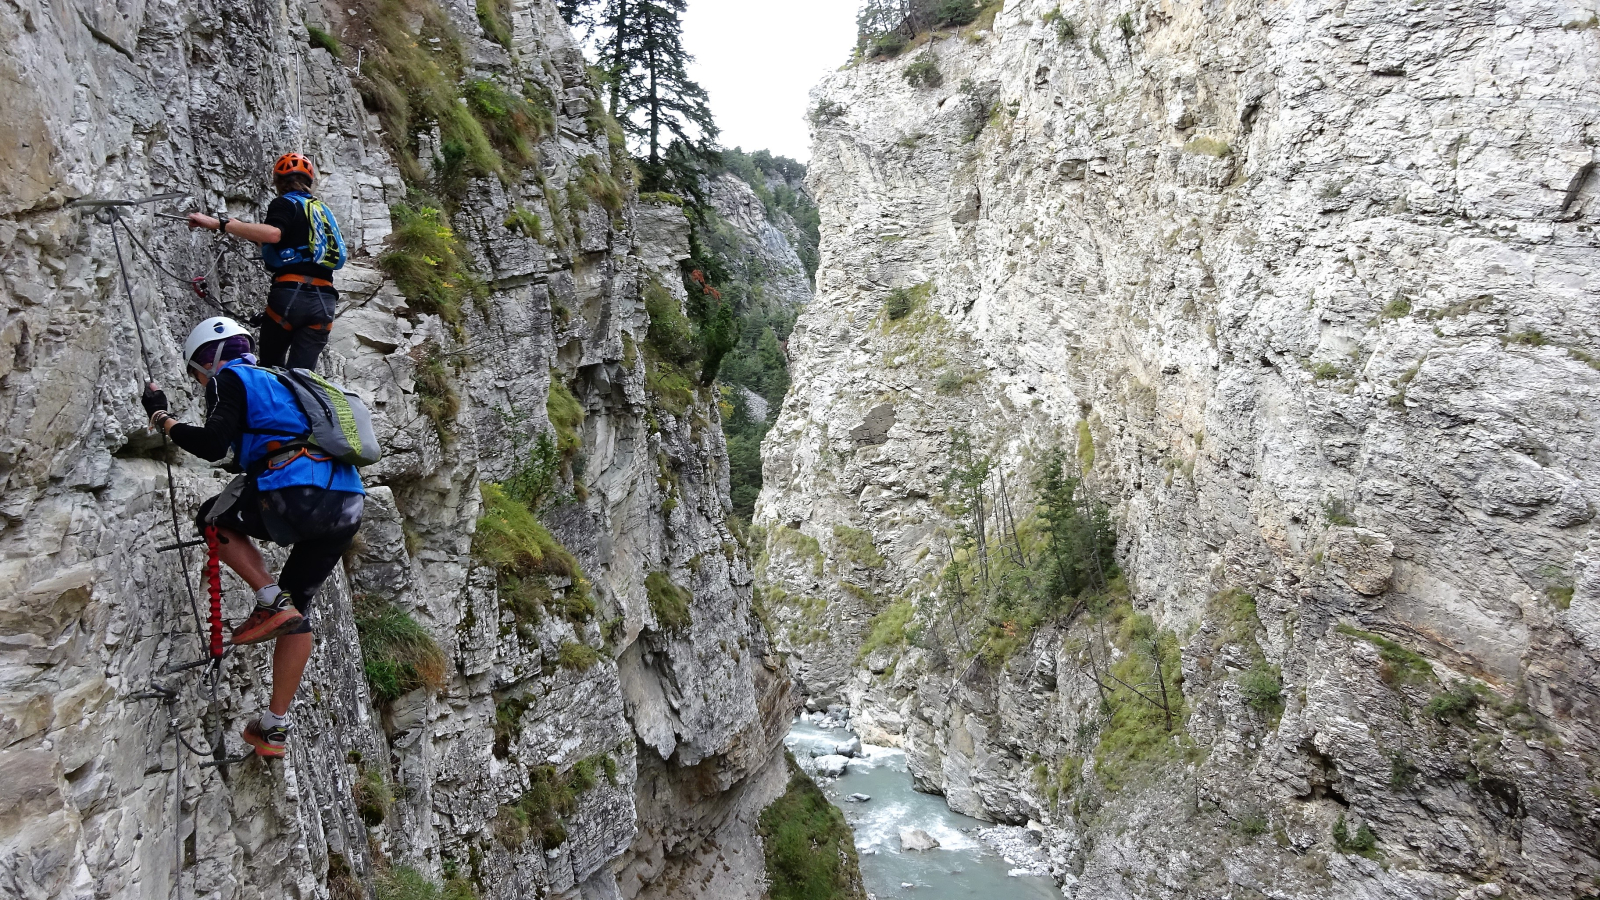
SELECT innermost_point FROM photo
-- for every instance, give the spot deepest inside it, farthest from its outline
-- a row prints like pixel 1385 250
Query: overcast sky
pixel 759 60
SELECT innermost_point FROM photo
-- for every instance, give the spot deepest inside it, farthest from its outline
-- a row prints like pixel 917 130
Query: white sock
pixel 268 595
pixel 269 720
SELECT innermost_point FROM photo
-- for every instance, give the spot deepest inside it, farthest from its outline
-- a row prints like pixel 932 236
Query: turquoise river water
pixel 962 868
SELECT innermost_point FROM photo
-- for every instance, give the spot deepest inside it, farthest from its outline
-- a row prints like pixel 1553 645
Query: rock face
pixel 669 739
pixel 1322 329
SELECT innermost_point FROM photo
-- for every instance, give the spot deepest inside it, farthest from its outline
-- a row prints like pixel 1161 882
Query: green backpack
pixel 341 425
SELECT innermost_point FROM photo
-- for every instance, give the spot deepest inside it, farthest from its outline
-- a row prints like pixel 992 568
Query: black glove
pixel 154 399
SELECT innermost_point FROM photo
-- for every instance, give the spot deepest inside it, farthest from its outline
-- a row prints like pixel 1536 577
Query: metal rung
pixel 227 760
pixel 181 545
pixel 91 203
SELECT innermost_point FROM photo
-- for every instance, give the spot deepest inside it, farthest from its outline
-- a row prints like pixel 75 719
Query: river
pixel 962 867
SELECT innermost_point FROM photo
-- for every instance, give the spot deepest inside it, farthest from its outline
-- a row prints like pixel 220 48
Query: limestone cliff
pixel 563 751
pixel 1308 291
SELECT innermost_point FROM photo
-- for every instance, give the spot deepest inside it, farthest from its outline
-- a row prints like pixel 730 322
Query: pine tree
pixel 576 13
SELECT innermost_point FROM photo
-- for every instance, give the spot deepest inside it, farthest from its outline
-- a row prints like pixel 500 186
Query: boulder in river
pixel 917 839
pixel 851 748
pixel 858 798
pixel 832 766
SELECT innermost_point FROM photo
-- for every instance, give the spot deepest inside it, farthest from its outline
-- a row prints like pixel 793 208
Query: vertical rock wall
pixel 1308 290
pixel 125 101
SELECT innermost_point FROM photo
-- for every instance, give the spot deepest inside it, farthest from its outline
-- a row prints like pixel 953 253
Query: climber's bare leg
pixel 241 555
pixel 289 658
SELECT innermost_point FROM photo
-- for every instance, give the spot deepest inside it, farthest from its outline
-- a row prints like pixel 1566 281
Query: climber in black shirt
pixel 301 246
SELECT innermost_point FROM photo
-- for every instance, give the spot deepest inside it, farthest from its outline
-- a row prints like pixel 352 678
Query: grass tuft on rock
pixel 668 601
pixel 524 555
pixel 888 628
pixel 552 795
pixel 428 262
pixel 372 796
pixel 1397 665
pixel 577 657
pixel 321 38
pixel 436 395
pixel 406 883
pixel 810 849
pixel 399 655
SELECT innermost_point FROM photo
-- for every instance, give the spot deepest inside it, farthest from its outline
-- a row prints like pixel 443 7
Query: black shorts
pixel 319 525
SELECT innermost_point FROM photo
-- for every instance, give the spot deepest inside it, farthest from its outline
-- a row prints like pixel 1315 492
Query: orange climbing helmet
pixel 294 164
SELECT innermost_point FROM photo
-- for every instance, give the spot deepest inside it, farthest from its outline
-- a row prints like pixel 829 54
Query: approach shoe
pixel 267 741
pixel 268 622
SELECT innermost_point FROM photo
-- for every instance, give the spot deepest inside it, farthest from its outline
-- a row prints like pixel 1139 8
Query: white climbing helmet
pixel 212 330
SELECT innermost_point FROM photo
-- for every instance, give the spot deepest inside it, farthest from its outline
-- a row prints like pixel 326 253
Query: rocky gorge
pixel 1303 294
pixel 591 710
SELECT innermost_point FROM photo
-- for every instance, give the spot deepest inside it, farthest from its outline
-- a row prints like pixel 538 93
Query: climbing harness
pixel 110 212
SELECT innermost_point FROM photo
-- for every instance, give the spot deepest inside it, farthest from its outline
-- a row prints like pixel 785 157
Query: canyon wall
pixel 1306 291
pixel 558 751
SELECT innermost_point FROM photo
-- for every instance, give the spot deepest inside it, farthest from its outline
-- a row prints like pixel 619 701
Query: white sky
pixel 759 60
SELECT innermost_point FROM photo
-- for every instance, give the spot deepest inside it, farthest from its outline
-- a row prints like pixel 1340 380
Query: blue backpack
pixel 326 247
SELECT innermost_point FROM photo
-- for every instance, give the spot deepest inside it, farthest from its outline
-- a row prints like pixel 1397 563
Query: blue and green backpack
pixel 326 247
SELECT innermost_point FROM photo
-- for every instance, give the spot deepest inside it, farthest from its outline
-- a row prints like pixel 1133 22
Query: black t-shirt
pixel 227 405
pixel 290 218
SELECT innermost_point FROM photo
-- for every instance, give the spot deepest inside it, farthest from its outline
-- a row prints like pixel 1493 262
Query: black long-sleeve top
pixel 225 419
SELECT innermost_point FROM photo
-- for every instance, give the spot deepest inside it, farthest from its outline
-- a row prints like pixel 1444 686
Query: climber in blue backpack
pixel 298 439
pixel 301 246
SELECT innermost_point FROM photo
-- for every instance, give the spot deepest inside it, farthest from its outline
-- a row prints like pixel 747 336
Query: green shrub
pixel 899 305
pixel 1402 771
pixel 326 41
pixel 524 554
pixel 1125 25
pixel 924 71
pixel 1262 689
pixel 826 112
pixel 1208 146
pixel 887 46
pixel 810 849
pixel 1457 703
pixel 410 78
pixel 1363 842
pixel 1396 665
pixel 951 13
pixel 1339 513
pixel 952 382
pixel 1398 308
pixel 670 336
pixel 398 654
pixel 428 263
pixel 669 602
pixel 1066 29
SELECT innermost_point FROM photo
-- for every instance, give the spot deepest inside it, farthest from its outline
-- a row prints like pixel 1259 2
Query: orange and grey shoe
pixel 268 622
pixel 267 741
